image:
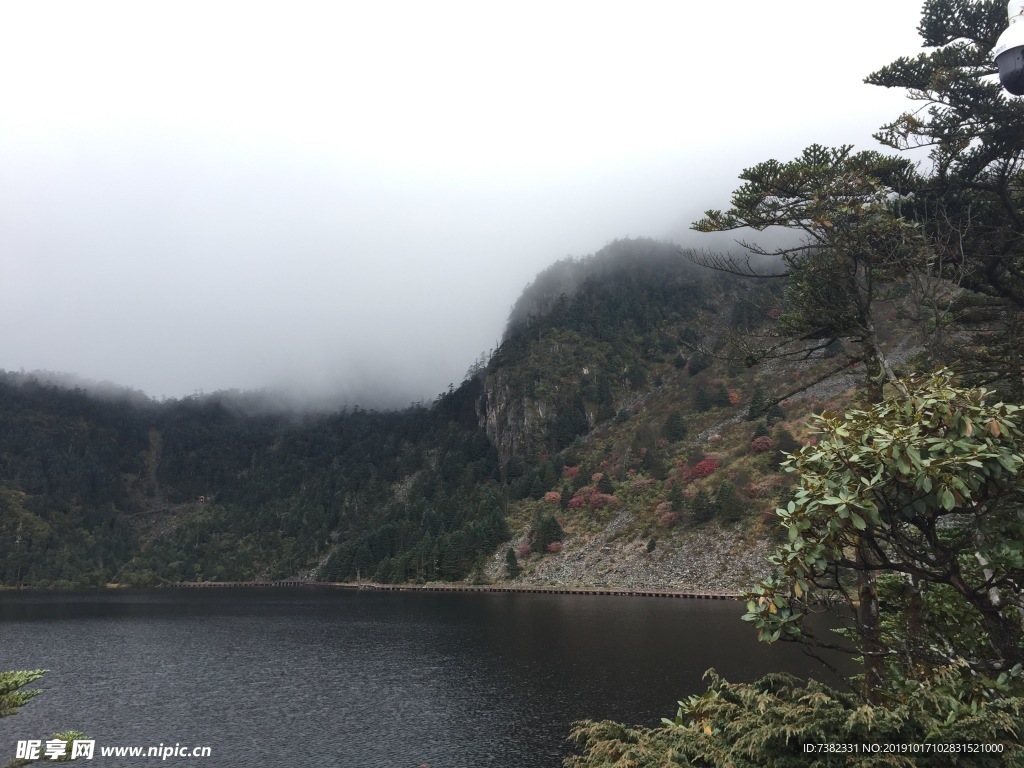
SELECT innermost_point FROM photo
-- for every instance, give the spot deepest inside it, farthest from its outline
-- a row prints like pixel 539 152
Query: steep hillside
pixel 603 442
pixel 634 455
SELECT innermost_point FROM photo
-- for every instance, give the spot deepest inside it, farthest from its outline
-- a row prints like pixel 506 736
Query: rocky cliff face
pixel 539 405
pixel 513 422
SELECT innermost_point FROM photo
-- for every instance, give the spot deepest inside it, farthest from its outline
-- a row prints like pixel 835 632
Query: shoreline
pixel 436 587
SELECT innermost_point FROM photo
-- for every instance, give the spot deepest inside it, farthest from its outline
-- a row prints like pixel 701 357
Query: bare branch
pixel 728 263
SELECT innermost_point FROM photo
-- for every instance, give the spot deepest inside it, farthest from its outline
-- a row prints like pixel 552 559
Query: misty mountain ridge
pixel 626 258
pixel 600 373
pixel 632 258
pixel 282 401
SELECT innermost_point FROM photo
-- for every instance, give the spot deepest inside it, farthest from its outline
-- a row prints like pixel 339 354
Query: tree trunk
pixel 869 623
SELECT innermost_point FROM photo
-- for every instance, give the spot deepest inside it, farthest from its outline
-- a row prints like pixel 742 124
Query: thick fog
pixel 345 199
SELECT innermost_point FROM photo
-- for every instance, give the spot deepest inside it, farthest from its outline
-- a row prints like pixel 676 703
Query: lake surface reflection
pixel 310 678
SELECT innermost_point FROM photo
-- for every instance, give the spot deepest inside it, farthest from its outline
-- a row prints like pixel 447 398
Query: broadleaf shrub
pixel 768 723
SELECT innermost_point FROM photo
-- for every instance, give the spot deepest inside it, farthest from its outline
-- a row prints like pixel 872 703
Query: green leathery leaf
pixel 946 499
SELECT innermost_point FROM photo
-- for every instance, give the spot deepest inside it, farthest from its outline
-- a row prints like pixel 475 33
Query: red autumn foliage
pixel 761 444
pixel 599 500
pixel 554 546
pixel 707 466
pixel 686 474
pixel 581 497
pixel 569 473
pixel 552 497
pixel 639 483
pixel 588 495
pixel 734 397
pixel 669 519
pixel 523 550
pixel 702 468
pixel 596 477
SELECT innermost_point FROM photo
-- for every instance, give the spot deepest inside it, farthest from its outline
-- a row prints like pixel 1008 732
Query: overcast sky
pixel 349 196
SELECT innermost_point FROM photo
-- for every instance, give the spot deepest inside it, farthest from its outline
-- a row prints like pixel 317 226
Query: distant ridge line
pixel 611 591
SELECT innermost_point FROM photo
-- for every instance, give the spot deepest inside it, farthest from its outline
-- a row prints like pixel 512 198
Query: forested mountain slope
pixel 604 403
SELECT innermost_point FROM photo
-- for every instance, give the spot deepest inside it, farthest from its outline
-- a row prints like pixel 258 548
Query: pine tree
pixel 654 465
pixel 721 397
pixel 512 567
pixel 857 246
pixel 545 530
pixel 701 401
pixel 703 507
pixel 698 362
pixel 675 497
pixel 674 429
pixel 969 206
pixel 758 404
pixel 774 415
pixel 12 698
pixel 728 505
pixel 537 487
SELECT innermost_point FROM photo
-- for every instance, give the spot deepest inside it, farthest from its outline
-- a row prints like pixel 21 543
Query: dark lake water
pixel 332 678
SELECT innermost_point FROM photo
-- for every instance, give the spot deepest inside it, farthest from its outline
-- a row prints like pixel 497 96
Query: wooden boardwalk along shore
pixel 611 591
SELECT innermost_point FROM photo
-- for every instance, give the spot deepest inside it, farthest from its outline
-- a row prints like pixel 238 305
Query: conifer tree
pixel 701 400
pixel 721 397
pixel 697 362
pixel 970 206
pixel 728 505
pixel 13 694
pixel 675 497
pixel 512 567
pixel 674 429
pixel 758 404
pixel 703 507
